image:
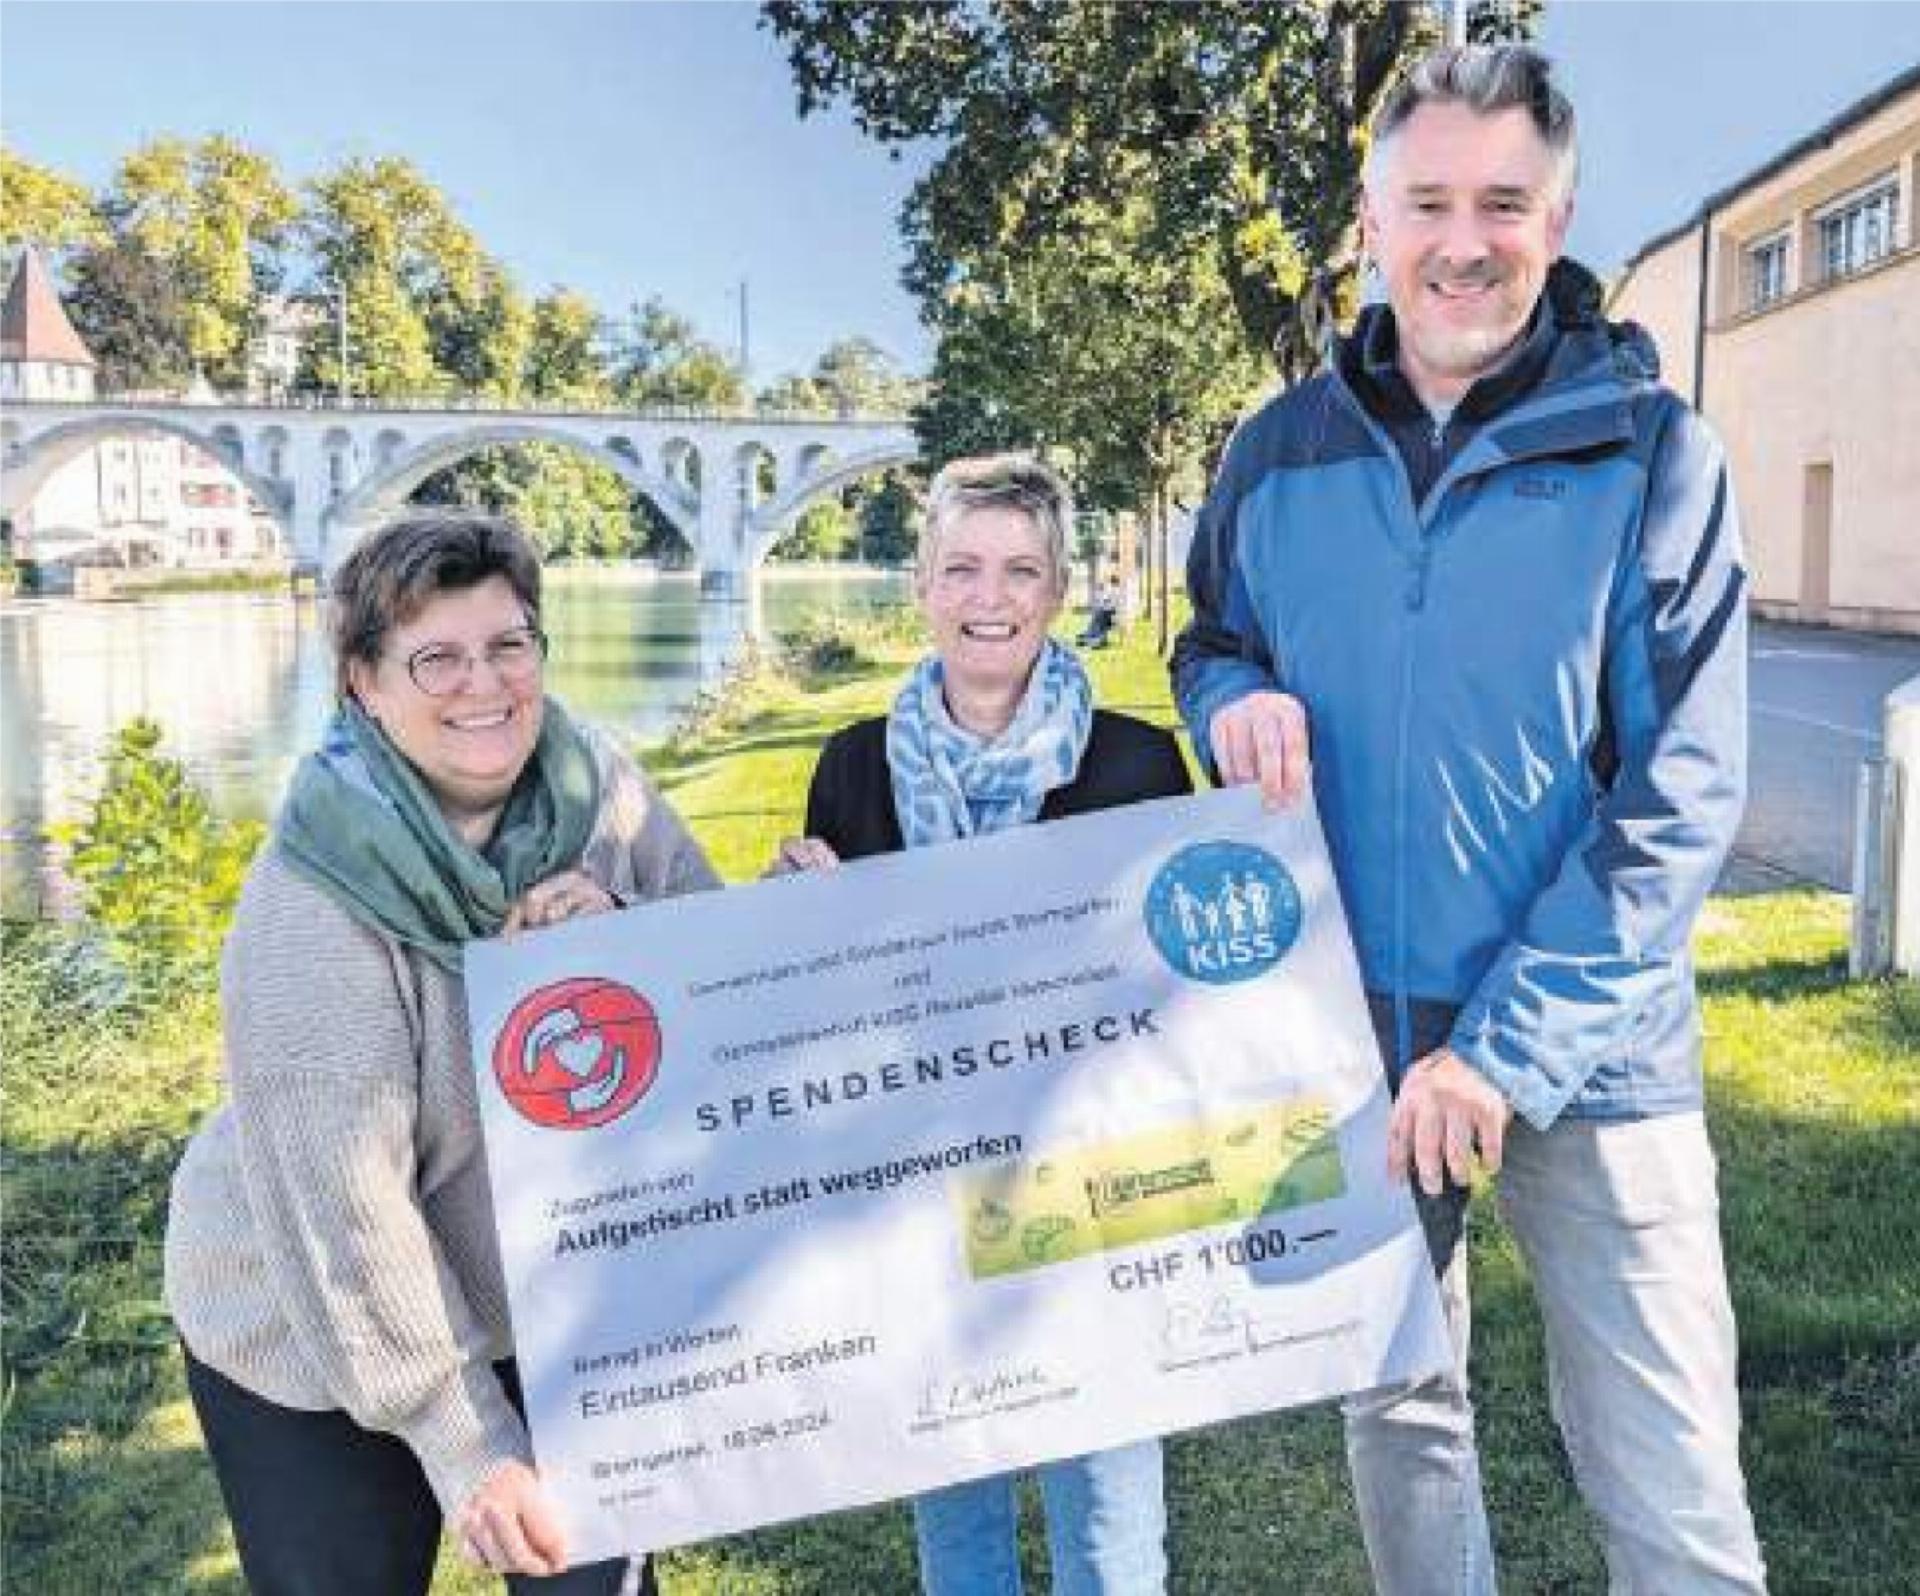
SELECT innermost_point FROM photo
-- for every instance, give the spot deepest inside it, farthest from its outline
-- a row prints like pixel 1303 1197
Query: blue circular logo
pixel 1223 912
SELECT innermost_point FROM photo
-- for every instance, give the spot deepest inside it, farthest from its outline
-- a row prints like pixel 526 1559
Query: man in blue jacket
pixel 1495 567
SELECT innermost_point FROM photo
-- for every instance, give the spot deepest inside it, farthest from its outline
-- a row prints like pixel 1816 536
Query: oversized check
pixel 839 1187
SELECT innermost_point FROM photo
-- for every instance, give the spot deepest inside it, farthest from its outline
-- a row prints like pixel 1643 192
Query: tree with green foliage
pixel 658 359
pixel 415 281
pixel 859 377
pixel 573 506
pixel 38 206
pixel 824 531
pixel 853 376
pixel 216 215
pixel 131 310
pixel 889 518
pixel 1248 120
pixel 565 361
pixel 577 507
pixel 793 395
pixel 481 331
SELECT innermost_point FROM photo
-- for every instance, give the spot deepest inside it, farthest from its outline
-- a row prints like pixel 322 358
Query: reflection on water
pixel 243 682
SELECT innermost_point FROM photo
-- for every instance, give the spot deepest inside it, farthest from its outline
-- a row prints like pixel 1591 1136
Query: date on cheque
pixel 773 1430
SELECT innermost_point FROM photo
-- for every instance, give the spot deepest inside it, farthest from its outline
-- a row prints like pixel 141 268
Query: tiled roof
pixel 33 324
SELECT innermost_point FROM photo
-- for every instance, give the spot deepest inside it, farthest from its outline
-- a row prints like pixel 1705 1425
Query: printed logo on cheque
pixel 1223 911
pixel 578 1053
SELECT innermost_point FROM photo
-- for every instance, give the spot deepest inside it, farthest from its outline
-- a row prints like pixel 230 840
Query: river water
pixel 242 682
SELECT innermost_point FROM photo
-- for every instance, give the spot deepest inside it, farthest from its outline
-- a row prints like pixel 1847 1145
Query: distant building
pixel 1788 310
pixel 273 358
pixel 41 356
pixel 141 499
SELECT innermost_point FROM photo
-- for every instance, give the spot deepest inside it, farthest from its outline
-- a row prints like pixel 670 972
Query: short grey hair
pixel 1486 78
pixel 1015 481
pixel 397 570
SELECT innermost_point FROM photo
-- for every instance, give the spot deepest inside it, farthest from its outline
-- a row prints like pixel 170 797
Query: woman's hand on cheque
pixel 801 853
pixel 566 896
pixel 509 1525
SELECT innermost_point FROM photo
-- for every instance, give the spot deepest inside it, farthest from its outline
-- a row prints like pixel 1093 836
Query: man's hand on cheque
pixel 1263 738
pixel 1446 1112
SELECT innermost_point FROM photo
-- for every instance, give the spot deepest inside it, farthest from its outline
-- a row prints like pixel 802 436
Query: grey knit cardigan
pixel 330 1243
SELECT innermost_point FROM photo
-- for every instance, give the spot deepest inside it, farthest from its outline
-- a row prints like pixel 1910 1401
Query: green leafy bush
pixel 158 871
pixel 728 703
pixel 833 643
pixel 823 644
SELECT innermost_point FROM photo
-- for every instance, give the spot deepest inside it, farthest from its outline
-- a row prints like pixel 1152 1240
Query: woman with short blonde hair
pixel 996 727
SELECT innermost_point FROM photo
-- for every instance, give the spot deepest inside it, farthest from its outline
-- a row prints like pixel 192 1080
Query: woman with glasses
pixel 331 1261
pixel 996 727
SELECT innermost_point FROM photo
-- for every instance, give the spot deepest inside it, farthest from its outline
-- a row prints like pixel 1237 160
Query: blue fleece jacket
pixel 1526 694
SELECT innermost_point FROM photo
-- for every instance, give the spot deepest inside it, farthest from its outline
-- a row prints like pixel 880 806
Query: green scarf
pixel 360 823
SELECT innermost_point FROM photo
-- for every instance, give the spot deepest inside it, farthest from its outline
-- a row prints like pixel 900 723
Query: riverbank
pixel 108 584
pixel 1815 1088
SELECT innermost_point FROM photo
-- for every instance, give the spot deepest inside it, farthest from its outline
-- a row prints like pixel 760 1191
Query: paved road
pixel 1815 701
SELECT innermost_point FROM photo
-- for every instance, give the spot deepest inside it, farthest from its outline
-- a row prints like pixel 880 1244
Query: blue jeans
pixel 1106 1529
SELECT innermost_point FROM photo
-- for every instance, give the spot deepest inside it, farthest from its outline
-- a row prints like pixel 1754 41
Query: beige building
pixel 1788 310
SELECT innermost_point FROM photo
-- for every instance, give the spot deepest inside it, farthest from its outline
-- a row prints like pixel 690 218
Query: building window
pixel 1859 230
pixel 1767 271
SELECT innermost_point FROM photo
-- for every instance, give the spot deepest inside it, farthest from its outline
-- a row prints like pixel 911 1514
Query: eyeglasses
pixel 441 669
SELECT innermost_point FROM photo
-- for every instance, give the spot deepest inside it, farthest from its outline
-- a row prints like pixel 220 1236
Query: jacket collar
pixel 1570 359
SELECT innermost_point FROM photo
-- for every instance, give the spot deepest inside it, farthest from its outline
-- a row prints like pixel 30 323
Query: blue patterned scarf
pixel 948 783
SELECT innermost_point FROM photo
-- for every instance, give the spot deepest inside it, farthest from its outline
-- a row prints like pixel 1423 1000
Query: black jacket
pixel 850 804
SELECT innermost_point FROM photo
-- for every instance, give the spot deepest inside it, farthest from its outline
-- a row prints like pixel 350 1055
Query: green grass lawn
pixel 1815 1089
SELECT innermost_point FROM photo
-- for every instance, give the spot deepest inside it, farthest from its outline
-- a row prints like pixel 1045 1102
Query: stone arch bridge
pixel 330 471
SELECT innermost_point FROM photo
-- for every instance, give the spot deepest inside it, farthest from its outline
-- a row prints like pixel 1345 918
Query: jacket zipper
pixel 1419 561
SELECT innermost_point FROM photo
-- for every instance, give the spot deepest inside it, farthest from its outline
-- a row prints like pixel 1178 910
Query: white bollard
pixel 1876 809
pixel 1902 743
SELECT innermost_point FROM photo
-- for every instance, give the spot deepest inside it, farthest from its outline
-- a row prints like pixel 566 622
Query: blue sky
pixel 626 149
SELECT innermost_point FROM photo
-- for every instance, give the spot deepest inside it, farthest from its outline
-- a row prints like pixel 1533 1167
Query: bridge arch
pixel 271 454
pixel 229 447
pixel 343 458
pixel 389 484
pixel 30 462
pixel 667 482
pixel 680 464
pixel 771 521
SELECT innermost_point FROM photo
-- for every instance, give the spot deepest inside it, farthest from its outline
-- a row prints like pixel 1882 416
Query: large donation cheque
pixel 844 1186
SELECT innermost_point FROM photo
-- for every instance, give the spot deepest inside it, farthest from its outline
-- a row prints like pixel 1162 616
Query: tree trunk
pixel 1163 536
pixel 1149 587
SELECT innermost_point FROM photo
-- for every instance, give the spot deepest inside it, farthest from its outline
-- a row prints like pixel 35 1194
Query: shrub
pixel 726 704
pixel 822 645
pixel 158 871
pixel 829 643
